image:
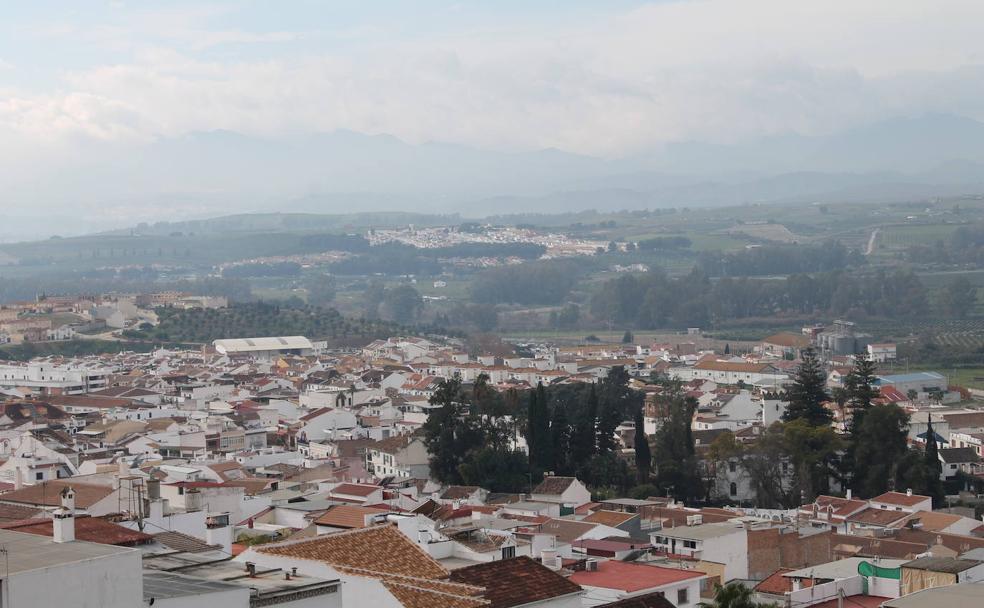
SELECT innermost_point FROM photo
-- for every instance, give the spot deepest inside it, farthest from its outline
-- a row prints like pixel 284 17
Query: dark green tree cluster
pixel 542 282
pixel 674 453
pixel 654 300
pixel 569 430
pixel 778 260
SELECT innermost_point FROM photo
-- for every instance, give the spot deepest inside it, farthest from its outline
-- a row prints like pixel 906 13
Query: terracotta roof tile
pixel 516 581
pixel 347 516
pixel 650 600
pixel 898 498
pixel 91 529
pixel 609 518
pixel 380 549
pixel 46 493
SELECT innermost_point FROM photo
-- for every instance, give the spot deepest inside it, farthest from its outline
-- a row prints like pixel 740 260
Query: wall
pixel 112 581
pixel 826 591
pixel 233 598
pixel 356 590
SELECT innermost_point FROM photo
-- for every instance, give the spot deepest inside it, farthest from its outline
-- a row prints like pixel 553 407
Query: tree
pixel 496 470
pixel 859 387
pixel 957 298
pixel 808 392
pixel 402 304
pixel 560 439
pixel 767 462
pixel 627 337
pixel 935 468
pixel 448 433
pixel 813 452
pixel 676 465
pixel 538 430
pixel 881 444
pixel 643 456
pixel 584 440
pixel 732 595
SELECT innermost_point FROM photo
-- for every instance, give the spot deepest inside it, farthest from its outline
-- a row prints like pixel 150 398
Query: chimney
pixel 908 492
pixel 18 479
pixel 63 523
pixel 251 569
pixel 849 493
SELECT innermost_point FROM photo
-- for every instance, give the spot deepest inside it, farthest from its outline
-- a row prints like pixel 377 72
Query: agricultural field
pixel 898 237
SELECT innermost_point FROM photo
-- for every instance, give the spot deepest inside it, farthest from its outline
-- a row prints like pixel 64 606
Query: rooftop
pixel 516 581
pixel 34 552
pixel 631 577
pixel 379 549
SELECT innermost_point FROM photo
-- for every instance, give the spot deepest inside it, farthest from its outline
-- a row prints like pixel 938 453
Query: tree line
pixel 570 429
pixel 654 300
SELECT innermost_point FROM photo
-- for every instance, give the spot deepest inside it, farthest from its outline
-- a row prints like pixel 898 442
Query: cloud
pixel 713 70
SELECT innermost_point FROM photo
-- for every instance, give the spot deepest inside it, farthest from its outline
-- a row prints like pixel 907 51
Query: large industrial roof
pixel 247 345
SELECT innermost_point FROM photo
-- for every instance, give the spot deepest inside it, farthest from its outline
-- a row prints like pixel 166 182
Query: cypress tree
pixel 643 456
pixel 583 447
pixel 560 439
pixel 932 456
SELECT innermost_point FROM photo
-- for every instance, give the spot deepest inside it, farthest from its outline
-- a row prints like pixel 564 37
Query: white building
pixel 264 348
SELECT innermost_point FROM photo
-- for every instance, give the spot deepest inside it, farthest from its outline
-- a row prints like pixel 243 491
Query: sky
pixel 605 78
pixel 610 79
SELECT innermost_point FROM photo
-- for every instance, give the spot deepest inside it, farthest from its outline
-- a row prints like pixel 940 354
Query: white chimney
pixel 18 479
pixel 849 493
pixel 908 492
pixel 63 523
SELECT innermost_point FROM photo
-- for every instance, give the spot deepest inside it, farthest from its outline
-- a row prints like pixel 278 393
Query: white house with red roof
pixel 611 581
pixel 898 501
pixel 356 493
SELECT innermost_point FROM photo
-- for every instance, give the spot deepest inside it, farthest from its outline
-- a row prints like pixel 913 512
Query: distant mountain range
pixel 215 173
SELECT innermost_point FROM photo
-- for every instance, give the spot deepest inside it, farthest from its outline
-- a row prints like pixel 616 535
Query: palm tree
pixel 732 595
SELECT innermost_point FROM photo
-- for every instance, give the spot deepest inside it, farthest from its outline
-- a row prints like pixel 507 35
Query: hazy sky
pixel 605 77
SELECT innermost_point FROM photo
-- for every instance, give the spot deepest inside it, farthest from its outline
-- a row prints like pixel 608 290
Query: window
pixel 734 489
pixel 682 597
pixel 732 466
pixel 39 476
pixel 508 552
pixel 690 544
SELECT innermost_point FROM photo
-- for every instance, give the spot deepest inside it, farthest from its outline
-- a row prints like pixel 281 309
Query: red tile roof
pixel 47 493
pixel 354 489
pixel 91 529
pixel 378 550
pixel 898 498
pixel 347 516
pixel 631 577
pixel 514 582
pixel 777 584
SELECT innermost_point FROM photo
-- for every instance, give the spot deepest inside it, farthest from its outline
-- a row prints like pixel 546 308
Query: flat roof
pixel 842 568
pixel 961 594
pixel 27 552
pixel 166 585
pixel 700 531
pixel 247 345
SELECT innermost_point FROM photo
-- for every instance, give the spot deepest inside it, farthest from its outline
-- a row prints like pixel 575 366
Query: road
pixel 871 241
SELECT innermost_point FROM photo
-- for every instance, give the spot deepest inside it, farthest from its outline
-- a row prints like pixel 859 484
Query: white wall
pixel 112 581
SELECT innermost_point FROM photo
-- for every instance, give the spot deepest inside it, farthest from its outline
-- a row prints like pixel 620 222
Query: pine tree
pixel 808 392
pixel 643 456
pixel 859 386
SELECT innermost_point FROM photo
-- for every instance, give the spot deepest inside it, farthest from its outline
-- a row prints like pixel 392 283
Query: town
pixel 268 471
